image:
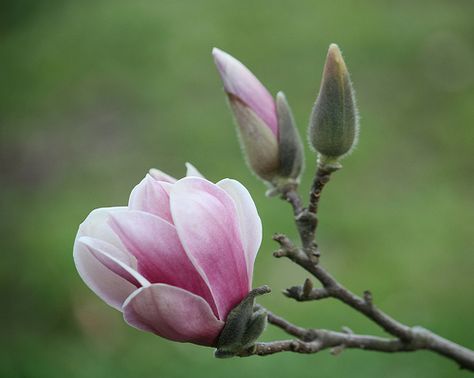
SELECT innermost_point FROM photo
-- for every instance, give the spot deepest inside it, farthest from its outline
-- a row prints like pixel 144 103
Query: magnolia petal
pixel 150 196
pixel 249 221
pixel 240 82
pixel 116 260
pixel 106 270
pixel 166 187
pixel 157 248
pixel 96 226
pixel 206 220
pixel 172 313
pixel 191 170
pixel 161 176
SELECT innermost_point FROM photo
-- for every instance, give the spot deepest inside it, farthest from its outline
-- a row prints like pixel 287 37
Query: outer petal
pixel 206 220
pixel 173 313
pixel 191 170
pixel 106 270
pixel 250 224
pixel 240 82
pixel 157 248
pixel 161 176
pixel 96 226
pixel 150 196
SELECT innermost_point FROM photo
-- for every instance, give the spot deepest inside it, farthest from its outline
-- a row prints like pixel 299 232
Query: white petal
pixel 249 220
pixel 191 170
pixel 97 226
pixel 106 270
pixel 161 176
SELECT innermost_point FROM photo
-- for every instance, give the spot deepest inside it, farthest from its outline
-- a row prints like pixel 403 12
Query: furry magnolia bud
pixel 334 122
pixel 244 324
pixel 257 140
pixel 290 147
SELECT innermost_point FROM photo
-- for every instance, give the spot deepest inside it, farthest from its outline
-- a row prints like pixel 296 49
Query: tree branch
pixel 314 340
pixel 322 177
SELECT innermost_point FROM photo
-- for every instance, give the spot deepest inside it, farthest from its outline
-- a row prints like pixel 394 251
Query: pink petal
pixel 106 270
pixel 117 261
pixel 166 187
pixel 161 176
pixel 250 224
pixel 172 313
pixel 96 226
pixel 159 253
pixel 206 221
pixel 191 170
pixel 150 196
pixel 240 82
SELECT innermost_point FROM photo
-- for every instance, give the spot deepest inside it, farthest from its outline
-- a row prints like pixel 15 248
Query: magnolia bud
pixel 257 140
pixel 290 147
pixel 334 122
pixel 266 128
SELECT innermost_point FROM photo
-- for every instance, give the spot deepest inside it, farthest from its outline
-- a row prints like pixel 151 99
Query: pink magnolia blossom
pixel 177 259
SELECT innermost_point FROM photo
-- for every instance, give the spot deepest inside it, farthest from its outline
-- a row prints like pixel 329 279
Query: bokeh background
pixel 94 93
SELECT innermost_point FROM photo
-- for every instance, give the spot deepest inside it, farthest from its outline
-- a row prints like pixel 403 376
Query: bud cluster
pixel 266 127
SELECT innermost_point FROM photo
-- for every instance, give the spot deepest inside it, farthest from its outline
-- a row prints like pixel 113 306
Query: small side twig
pixel 304 293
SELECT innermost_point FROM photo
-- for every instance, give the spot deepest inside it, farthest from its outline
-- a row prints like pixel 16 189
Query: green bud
pixel 334 123
pixel 257 139
pixel 290 147
pixel 244 324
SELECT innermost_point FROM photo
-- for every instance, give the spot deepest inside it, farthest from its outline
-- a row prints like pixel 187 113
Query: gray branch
pixel 316 340
pixel 405 338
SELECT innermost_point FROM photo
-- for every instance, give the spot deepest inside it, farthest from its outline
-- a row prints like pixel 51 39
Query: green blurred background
pixel 94 93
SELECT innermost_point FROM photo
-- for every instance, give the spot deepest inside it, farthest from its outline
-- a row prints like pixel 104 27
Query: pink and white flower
pixel 177 259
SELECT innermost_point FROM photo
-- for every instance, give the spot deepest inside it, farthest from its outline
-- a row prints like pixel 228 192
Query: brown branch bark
pixel 322 177
pixel 405 339
pixel 316 340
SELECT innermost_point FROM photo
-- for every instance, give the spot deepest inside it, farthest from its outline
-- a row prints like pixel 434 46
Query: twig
pixel 304 293
pixel 314 340
pixel 322 177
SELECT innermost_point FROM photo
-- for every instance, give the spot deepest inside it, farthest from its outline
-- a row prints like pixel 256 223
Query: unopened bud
pixel 290 147
pixel 334 121
pixel 266 127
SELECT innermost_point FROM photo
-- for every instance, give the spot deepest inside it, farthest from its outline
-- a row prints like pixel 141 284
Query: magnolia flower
pixel 266 127
pixel 177 259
